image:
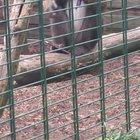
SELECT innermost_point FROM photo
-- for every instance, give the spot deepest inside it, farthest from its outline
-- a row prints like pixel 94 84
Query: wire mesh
pixel 47 91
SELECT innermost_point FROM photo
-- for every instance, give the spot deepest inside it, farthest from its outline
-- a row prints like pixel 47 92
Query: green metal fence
pixel 51 94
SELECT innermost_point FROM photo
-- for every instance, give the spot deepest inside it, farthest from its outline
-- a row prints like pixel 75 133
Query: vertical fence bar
pixel 43 71
pixel 111 15
pixel 101 75
pixel 73 74
pixel 126 68
pixel 10 95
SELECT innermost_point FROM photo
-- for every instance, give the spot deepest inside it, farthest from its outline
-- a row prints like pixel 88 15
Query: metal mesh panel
pixel 47 92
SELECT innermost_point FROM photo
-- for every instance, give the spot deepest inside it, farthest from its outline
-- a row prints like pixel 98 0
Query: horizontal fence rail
pixel 69 70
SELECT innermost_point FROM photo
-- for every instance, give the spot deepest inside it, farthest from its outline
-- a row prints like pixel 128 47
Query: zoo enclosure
pixel 62 67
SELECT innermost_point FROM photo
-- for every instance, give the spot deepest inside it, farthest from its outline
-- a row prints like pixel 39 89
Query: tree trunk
pixel 18 11
pixel 29 70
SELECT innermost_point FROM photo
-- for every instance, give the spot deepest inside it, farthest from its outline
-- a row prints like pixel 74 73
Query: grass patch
pixel 113 135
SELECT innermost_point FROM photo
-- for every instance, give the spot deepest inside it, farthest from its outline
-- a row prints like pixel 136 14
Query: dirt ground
pixel 29 109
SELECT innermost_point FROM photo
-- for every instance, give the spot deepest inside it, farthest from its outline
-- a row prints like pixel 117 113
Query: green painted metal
pixel 10 93
pixel 126 67
pixel 73 75
pixel 101 76
pixel 45 122
pixel 43 71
